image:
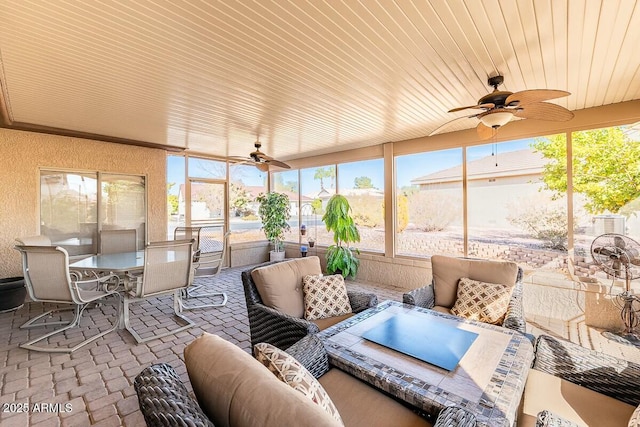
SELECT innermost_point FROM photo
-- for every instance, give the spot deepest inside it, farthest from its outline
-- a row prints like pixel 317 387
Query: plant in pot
pixel 341 256
pixel 274 211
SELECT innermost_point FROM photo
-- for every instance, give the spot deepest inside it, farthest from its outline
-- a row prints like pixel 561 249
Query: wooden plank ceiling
pixel 306 77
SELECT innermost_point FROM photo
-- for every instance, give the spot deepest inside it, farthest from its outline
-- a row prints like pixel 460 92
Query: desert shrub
pixel 367 210
pixel 431 210
pixel 541 218
pixel 402 212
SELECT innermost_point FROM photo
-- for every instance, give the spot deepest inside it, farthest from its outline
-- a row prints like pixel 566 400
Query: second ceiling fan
pixel 500 107
pixel 260 160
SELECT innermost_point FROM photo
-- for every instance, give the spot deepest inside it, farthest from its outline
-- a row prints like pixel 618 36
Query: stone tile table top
pixel 488 381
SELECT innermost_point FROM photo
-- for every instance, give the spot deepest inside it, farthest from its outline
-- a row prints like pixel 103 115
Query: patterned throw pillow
pixel 325 296
pixel 291 372
pixel 635 418
pixel 485 302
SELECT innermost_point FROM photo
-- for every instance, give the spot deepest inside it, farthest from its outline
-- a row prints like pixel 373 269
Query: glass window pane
pixel 69 210
pixel 317 185
pixel 509 210
pixel 205 168
pixel 246 182
pixel 175 193
pixel 429 203
pixel 123 204
pixel 287 182
pixel 606 173
pixel 362 183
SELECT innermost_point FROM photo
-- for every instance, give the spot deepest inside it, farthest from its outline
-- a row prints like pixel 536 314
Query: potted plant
pixel 340 256
pixel 274 211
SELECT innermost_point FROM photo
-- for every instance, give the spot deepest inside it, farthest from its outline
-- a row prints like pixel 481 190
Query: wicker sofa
pixel 234 389
pixel 447 271
pixel 571 385
pixel 278 328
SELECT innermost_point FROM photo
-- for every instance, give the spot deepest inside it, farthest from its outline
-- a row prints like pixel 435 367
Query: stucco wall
pixel 23 153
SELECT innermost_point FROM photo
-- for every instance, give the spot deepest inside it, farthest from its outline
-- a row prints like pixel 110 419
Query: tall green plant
pixel 274 212
pixel 340 256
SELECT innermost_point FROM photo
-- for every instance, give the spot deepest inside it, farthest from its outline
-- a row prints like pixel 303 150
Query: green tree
pixel 322 173
pixel 606 167
pixel 362 182
pixel 172 199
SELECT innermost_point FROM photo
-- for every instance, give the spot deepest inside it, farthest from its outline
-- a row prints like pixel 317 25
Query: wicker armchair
pixel 514 318
pixel 602 373
pixel 165 401
pixel 279 329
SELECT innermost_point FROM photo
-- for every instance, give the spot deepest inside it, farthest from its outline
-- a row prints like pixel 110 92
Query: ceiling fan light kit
pixel 496 119
pixel 499 107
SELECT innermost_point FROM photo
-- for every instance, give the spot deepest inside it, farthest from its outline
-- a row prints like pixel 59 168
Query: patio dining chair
pixel 208 259
pixel 117 241
pixel 37 240
pixel 49 280
pixel 167 271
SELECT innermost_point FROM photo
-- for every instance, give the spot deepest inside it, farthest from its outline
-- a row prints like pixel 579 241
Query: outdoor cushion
pixel 362 405
pixel 330 321
pixel 481 301
pixel 447 272
pixel 291 372
pixel 325 296
pixel 634 421
pixel 280 284
pixel 570 401
pixel 234 389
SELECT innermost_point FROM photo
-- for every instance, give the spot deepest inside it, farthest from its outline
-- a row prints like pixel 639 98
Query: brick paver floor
pixel 94 385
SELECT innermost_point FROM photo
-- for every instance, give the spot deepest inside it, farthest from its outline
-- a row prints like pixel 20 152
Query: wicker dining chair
pixel 48 280
pixel 167 271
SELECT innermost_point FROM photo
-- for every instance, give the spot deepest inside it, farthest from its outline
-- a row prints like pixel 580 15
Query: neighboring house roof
pixel 510 163
pixel 363 192
pixel 253 191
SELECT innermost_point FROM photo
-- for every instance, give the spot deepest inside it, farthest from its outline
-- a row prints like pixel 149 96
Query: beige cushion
pixel 288 370
pixel 447 272
pixel 280 284
pixel 634 421
pixel 481 301
pixel 325 296
pixel 362 405
pixel 330 321
pixel 234 389
pixel 569 401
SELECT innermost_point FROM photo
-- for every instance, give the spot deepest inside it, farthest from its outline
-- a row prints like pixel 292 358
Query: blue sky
pixel 407 167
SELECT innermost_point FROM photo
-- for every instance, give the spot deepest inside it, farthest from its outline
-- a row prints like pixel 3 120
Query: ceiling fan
pixel 500 107
pixel 260 160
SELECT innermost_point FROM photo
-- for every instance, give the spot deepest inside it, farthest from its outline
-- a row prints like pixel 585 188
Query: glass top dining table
pixel 116 263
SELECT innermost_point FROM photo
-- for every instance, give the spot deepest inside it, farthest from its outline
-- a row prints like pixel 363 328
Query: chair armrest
pixel 276 328
pixel 594 370
pixel 421 297
pixel 514 318
pixel 549 419
pixel 165 401
pixel 360 301
pixel 453 416
pixel 311 353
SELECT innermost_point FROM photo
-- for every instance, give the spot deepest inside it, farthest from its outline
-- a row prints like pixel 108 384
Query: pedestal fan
pixel 619 257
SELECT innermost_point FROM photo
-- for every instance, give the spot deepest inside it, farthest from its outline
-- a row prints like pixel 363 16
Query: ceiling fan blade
pixel 240 159
pixel 278 163
pixel 545 111
pixel 449 123
pixel 526 97
pixel 485 132
pixel 486 106
pixel 264 167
